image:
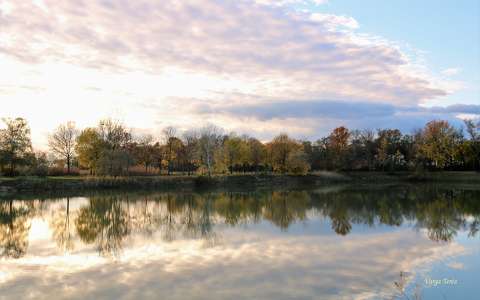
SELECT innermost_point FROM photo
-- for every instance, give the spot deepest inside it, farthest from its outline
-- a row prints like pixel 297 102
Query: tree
pixel 145 151
pixel 388 148
pixel 287 155
pixel 62 142
pixel 473 129
pixel 115 157
pixel 234 150
pixel 367 142
pixel 436 143
pixel 209 142
pixel 190 142
pixel 473 146
pixel 89 149
pixel 338 146
pixel 15 144
pixel 172 144
pixel 256 152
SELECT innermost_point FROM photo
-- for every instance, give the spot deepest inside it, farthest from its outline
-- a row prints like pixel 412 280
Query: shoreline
pixel 244 181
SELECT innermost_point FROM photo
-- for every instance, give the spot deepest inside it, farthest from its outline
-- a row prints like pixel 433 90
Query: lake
pixel 335 242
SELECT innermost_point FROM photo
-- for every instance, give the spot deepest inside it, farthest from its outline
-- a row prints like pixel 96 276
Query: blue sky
pixel 260 67
pixel 447 30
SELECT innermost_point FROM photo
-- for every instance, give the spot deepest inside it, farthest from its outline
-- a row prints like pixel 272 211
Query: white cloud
pixel 450 71
pixel 335 21
pixel 6 8
pixel 149 61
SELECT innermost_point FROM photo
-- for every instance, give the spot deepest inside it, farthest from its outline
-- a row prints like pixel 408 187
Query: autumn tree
pixel 89 147
pixel 115 140
pixel 173 146
pixel 472 147
pixel 287 155
pixel 235 151
pixel 256 153
pixel 436 143
pixel 388 149
pixel 15 144
pixel 190 142
pixel 145 151
pixel 338 146
pixel 208 144
pixel 62 142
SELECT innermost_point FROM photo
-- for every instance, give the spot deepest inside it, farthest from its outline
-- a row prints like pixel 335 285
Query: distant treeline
pixel 112 149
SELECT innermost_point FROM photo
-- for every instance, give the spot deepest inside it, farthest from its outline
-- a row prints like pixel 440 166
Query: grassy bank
pixel 79 183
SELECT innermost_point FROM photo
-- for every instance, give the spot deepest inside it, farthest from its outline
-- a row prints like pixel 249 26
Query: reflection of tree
pixel 14 229
pixel 169 221
pixel 474 227
pixel 285 208
pixel 108 219
pixel 62 231
pixel 205 222
pixel 340 223
pixel 440 219
pixel 103 222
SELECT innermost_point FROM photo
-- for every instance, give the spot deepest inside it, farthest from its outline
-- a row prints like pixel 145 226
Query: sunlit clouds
pixel 157 63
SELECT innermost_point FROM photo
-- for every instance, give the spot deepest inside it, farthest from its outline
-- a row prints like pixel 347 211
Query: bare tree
pixel 145 149
pixel 190 141
pixel 210 139
pixel 170 136
pixel 62 142
pixel 472 129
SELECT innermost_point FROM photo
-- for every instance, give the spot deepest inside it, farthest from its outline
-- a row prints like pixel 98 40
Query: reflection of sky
pixel 254 261
pixel 464 269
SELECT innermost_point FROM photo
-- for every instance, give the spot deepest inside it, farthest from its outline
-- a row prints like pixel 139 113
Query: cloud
pixel 252 262
pixel 335 21
pixel 304 109
pixel 451 71
pixel 314 119
pixel 140 57
pixel 233 39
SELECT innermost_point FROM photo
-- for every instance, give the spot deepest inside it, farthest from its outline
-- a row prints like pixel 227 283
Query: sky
pixel 259 67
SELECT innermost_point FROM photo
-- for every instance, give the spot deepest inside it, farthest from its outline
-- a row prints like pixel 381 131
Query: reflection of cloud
pixel 248 265
pixel 456 265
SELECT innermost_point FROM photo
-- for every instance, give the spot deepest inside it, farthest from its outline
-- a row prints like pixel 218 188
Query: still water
pixel 340 242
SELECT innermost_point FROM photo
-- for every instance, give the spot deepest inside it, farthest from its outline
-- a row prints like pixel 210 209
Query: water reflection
pixel 106 220
pixel 326 243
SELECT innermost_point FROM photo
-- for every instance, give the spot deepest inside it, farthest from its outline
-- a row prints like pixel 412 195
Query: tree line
pixel 112 149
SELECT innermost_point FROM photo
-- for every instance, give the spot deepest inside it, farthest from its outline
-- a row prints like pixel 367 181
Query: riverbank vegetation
pixel 111 149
